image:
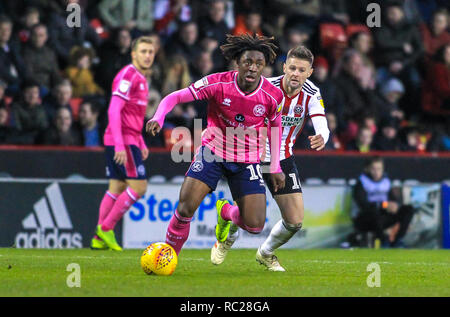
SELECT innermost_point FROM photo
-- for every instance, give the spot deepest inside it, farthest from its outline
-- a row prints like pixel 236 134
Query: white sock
pixel 279 235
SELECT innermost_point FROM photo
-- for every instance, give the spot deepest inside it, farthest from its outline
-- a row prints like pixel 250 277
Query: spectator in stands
pixel 59 98
pixel 80 75
pixel 185 42
pixel 213 26
pixel 30 18
pixel 336 11
pixel 202 66
pixel 40 60
pixel 436 35
pixel 11 63
pixel 386 138
pixel 411 140
pixel 157 70
pixel 63 37
pixel 436 88
pixel 363 141
pixel 392 91
pixel 168 13
pixel 134 15
pixel 62 131
pixel 91 131
pixel 327 87
pixel 334 142
pixel 362 42
pixel 398 48
pixel 357 98
pixel 28 114
pixel 113 55
pixel 250 23
pixel 307 11
pixel 177 75
pixel 377 206
pixel 3 87
pixel 5 129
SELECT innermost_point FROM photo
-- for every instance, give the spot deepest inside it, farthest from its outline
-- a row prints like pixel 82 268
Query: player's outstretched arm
pixel 156 123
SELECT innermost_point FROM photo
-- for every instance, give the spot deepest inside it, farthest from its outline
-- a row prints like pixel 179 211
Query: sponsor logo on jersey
pixel 49 225
pixel 124 86
pixel 239 118
pixel 259 110
pixel 287 121
pixel 321 103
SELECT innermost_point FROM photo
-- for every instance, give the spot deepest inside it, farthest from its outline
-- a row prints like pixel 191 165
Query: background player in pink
pixel 242 99
pixel 302 100
pixel 125 146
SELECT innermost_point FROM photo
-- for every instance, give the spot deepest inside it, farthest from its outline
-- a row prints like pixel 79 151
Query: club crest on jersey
pixel 201 82
pixel 226 102
pixel 298 109
pixel 259 110
pixel 124 86
pixel 141 170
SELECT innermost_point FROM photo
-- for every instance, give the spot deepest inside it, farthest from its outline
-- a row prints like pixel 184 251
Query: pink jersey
pixel 130 85
pixel 229 107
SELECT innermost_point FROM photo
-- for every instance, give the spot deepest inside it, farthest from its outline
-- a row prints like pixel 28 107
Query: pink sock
pixel 121 206
pixel 231 212
pixel 178 231
pixel 105 206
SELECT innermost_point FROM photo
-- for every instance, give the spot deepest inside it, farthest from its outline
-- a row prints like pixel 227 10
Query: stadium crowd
pixel 385 88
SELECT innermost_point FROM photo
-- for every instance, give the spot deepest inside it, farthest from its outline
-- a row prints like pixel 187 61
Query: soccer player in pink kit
pixel 236 99
pixel 125 146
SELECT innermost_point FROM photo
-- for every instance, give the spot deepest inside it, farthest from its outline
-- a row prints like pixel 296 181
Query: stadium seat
pixel 331 34
pixel 355 28
pixel 157 179
pixel 337 181
pixel 313 181
pixel 177 179
pixel 97 25
pixel 75 106
pixel 411 182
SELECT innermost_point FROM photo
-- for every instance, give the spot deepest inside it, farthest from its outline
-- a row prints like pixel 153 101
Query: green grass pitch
pixel 326 272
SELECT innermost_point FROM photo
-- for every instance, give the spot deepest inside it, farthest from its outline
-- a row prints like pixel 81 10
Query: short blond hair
pixel 139 40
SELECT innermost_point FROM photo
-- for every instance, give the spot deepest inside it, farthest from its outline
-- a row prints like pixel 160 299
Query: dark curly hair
pixel 237 44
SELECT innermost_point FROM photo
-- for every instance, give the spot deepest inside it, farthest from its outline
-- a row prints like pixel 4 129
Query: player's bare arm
pixel 317 142
pixel 152 127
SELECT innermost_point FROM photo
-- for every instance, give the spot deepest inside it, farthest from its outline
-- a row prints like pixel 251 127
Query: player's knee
pixel 141 189
pixel 292 227
pixel 254 230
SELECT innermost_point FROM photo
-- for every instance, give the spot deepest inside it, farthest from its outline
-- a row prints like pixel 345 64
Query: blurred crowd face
pixel 217 11
pixel 395 15
pixel 32 18
pixel 205 63
pixel 63 94
pixel 143 56
pixel 87 117
pixel 3 117
pixel 296 71
pixel 376 170
pixel 320 73
pixel 389 132
pixel 39 36
pixel 439 23
pixel 363 43
pixel 5 32
pixel 253 21
pixel 31 96
pixel 124 39
pixel 365 137
pixel 63 120
pixel 189 33
pixel 354 65
pixel 332 122
pixel 394 96
pixel 296 38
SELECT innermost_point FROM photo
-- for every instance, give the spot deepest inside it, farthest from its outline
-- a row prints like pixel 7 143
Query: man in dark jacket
pixel 377 207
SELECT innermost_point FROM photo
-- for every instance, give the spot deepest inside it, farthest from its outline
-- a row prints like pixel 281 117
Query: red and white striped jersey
pixel 306 103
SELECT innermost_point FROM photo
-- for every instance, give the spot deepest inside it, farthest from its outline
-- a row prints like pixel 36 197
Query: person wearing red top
pixel 436 35
pixel 248 24
pixel 436 89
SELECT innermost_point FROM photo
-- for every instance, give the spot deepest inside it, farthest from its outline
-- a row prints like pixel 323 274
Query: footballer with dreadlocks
pixel 242 102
